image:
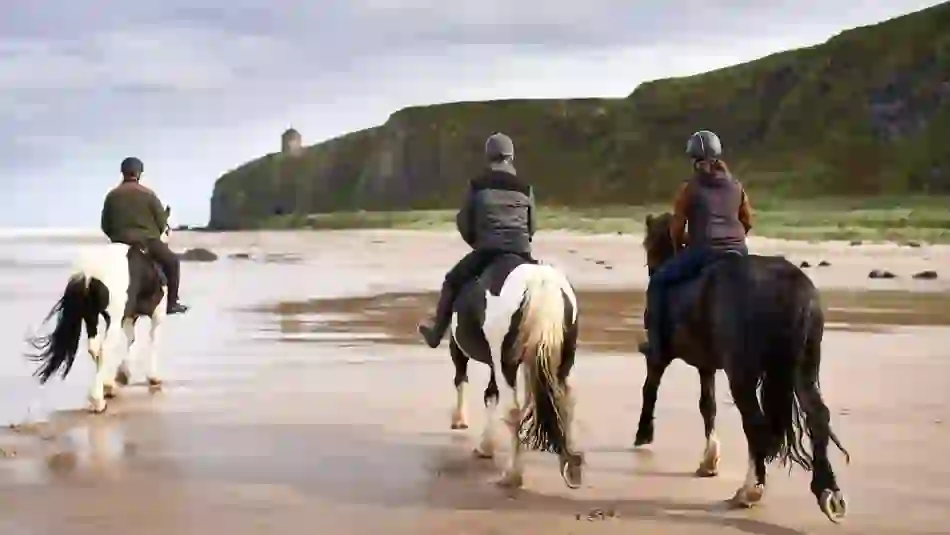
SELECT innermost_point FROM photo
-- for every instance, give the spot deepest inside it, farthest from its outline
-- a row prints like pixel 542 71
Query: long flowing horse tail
pixel 82 300
pixel 784 377
pixel 539 346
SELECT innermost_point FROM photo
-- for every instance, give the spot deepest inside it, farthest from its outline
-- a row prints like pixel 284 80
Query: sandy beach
pixel 298 400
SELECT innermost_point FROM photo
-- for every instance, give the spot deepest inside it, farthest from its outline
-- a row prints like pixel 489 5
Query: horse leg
pixel 459 419
pixel 104 381
pixel 709 466
pixel 571 461
pixel 486 447
pixel 513 475
pixel 154 332
pixel 123 376
pixel 651 386
pixel 824 484
pixel 744 393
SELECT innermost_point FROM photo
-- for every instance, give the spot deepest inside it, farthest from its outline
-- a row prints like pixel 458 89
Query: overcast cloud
pixel 194 91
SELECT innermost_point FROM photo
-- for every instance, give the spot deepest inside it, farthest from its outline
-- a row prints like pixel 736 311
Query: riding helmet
pixel 132 166
pixel 704 145
pixel 498 146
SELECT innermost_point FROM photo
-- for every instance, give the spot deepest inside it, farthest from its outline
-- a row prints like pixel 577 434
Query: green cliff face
pixel 867 112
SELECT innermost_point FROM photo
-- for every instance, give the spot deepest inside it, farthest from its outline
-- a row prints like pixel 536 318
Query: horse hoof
pixel 572 474
pixel 458 423
pixel 122 378
pixel 510 481
pixel 746 498
pixel 708 468
pixel 479 454
pixel 643 439
pixel 834 506
pixel 154 385
pixel 98 407
pixel 108 392
pixel 706 471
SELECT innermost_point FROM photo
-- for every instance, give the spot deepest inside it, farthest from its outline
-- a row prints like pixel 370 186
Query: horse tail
pixel 747 337
pixel 788 378
pixel 539 344
pixel 81 301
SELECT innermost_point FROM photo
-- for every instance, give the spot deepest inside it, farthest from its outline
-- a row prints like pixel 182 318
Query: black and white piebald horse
pixel 759 319
pixel 110 288
pixel 520 314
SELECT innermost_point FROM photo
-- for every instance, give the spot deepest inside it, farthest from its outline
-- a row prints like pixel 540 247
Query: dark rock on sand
pixel 881 274
pixel 198 254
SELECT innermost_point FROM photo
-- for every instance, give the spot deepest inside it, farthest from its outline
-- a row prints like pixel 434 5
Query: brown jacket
pixel 710 212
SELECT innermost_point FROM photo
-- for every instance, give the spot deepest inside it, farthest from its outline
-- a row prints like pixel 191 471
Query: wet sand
pixel 292 406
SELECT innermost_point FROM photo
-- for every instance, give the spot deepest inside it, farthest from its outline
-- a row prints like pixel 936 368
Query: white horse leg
pixel 104 382
pixel 95 351
pixel 486 446
pixel 152 375
pixel 123 376
pixel 459 421
pixel 513 475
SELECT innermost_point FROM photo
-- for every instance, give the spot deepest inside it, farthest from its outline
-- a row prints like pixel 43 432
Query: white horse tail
pixel 84 298
pixel 539 346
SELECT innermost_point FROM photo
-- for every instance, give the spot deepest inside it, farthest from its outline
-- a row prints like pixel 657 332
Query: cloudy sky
pixel 195 91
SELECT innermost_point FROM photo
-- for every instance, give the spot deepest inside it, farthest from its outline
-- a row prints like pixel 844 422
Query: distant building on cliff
pixel 290 142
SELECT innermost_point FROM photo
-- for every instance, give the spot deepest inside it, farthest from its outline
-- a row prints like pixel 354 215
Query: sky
pixel 195 88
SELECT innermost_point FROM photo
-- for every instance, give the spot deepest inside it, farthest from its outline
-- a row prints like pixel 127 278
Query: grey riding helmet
pixel 498 146
pixel 704 145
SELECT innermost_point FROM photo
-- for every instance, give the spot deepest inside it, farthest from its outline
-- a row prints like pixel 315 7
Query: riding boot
pixel 655 345
pixel 644 346
pixel 433 330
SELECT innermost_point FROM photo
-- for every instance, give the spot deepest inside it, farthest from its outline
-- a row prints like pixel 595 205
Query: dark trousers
pixel 467 269
pixel 159 252
pixel 680 268
pixel 473 264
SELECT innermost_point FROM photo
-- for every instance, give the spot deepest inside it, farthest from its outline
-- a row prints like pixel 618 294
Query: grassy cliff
pixel 865 114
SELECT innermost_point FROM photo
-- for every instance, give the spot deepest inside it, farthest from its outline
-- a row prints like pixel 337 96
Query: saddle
pixel 683 296
pixel 493 276
pixel 146 283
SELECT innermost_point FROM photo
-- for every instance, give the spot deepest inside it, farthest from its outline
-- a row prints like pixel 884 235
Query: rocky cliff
pixel 867 112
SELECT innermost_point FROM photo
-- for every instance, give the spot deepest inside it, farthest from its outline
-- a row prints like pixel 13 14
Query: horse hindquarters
pixel 545 345
pixel 83 300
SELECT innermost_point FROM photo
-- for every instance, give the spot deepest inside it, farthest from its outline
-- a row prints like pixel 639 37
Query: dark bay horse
pixel 520 314
pixel 758 318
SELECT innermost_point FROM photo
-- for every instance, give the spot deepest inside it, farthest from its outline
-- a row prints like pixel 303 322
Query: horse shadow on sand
pixel 462 483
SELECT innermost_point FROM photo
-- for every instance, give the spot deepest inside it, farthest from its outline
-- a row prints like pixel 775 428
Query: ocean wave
pixel 49 232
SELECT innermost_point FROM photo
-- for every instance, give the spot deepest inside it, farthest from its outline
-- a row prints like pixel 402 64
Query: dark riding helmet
pixel 132 166
pixel 704 145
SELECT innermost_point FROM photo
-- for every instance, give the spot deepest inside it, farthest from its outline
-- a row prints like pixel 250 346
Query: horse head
pixel 657 242
pixel 168 227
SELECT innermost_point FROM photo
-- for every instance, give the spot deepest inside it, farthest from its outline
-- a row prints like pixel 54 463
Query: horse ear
pixel 649 220
pixel 168 210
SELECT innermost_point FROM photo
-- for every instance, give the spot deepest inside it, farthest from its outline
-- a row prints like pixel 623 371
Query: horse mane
pixel 657 242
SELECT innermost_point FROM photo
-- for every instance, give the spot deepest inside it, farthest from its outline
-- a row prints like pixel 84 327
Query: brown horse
pixel 759 319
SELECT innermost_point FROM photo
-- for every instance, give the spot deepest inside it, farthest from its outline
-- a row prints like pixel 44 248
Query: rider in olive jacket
pixel 132 214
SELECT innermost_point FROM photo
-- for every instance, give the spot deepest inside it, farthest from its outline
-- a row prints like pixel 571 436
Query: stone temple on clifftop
pixel 290 142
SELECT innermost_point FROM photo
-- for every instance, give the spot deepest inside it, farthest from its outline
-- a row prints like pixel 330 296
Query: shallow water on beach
pixel 298 395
